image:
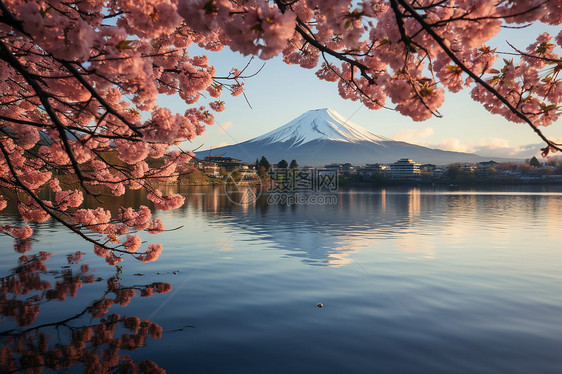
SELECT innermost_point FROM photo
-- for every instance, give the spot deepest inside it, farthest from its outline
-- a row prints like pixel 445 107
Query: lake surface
pixel 409 280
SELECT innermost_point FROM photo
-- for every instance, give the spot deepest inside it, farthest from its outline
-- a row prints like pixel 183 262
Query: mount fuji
pixel 322 136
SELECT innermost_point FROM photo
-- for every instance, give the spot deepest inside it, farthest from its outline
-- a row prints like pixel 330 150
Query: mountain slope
pixel 322 136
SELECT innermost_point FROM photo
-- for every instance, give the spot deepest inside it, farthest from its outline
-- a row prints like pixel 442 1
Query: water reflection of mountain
pixel 320 234
pixel 328 234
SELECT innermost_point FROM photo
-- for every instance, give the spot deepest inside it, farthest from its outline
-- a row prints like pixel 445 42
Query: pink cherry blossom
pixel 152 253
pixel 113 260
pixel 165 202
pixel 133 243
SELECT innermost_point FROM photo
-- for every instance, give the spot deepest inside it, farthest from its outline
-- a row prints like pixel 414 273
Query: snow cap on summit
pixel 320 124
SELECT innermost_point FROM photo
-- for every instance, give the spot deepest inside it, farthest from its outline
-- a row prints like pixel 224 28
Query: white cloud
pixel 456 145
pixel 413 134
pixel 224 126
pixel 493 143
pixel 493 147
pixel 221 144
pixel 487 147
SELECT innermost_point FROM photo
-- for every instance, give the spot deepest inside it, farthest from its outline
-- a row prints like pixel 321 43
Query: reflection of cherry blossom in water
pixel 62 344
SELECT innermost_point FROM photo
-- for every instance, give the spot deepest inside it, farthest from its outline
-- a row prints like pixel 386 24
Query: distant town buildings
pixel 210 169
pixel 484 167
pixel 428 169
pixel 468 168
pixel 372 169
pixel 227 162
pixel 345 169
pixel 221 166
pixel 404 169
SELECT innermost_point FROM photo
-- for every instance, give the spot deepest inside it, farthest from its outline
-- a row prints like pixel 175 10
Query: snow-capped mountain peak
pixel 321 137
pixel 319 124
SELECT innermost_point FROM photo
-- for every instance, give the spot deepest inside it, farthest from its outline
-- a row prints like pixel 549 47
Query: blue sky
pixel 282 92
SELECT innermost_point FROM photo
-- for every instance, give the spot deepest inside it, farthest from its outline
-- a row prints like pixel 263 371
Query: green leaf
pixel 543 47
pixel 384 41
pixel 124 44
pixel 547 108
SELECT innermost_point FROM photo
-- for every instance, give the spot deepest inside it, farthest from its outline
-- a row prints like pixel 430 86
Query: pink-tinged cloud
pixel 221 144
pixel 456 145
pixel 493 147
pixel 413 135
pixel 224 126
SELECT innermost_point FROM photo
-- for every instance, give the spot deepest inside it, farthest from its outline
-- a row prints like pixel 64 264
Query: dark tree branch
pixel 6 55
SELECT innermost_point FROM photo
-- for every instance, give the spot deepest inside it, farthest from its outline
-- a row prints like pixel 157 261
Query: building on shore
pixel 484 167
pixel 467 168
pixel 404 168
pixel 344 169
pixel 211 170
pixel 372 169
pixel 428 169
pixel 223 161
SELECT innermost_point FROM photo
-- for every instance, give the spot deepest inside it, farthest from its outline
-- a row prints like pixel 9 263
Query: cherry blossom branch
pixel 98 97
pixel 362 68
pixel 48 209
pixel 471 74
pixel 6 55
pixel 484 18
pixel 10 20
pixel 521 53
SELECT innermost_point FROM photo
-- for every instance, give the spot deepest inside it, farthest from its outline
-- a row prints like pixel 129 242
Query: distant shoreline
pixel 390 182
pixel 498 182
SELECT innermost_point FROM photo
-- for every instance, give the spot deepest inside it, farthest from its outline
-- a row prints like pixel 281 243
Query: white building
pixel 404 168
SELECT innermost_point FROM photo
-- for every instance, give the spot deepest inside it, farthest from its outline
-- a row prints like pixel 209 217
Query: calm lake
pixel 396 280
